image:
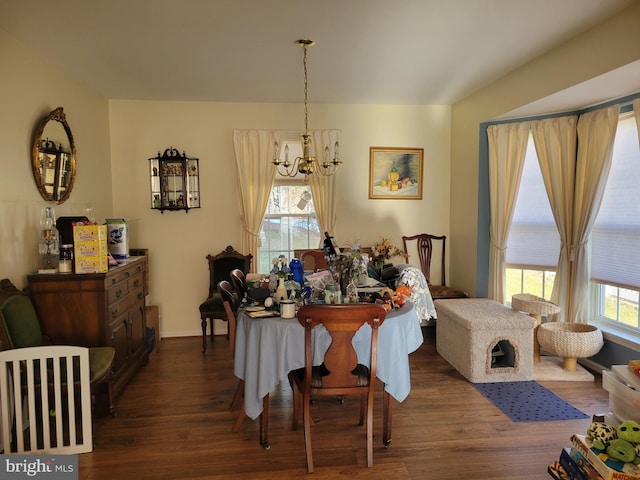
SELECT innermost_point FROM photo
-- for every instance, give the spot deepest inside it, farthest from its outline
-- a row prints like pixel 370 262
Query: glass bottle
pixel 48 245
pixel 352 291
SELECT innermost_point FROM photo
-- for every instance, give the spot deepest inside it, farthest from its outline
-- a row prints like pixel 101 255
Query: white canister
pixel 287 309
pixel 118 237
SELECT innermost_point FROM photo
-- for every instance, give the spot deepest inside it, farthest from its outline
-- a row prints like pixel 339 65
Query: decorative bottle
pixel 48 245
pixel 394 175
pixel 297 271
pixel 281 291
pixel 352 291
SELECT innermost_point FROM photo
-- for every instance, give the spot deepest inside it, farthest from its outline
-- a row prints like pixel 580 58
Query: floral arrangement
pixel 384 250
pixel 280 267
pixel 357 261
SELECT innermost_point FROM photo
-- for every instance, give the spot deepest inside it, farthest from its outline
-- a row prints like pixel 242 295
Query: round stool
pixel 570 341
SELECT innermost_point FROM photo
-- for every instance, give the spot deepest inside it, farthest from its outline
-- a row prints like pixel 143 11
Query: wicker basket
pixel 525 302
pixel 573 340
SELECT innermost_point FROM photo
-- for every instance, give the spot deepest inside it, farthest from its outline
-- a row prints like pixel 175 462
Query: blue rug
pixel 528 402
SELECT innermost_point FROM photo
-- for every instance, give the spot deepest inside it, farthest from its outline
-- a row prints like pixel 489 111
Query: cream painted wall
pixel 179 241
pixel 604 48
pixel 30 88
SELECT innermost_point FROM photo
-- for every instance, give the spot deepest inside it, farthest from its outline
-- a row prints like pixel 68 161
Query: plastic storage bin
pixel 624 401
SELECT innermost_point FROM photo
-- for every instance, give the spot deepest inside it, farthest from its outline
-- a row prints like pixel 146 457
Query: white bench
pixel 484 340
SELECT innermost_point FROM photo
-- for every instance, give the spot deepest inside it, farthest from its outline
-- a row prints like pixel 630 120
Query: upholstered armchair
pixel 220 268
pixel 20 328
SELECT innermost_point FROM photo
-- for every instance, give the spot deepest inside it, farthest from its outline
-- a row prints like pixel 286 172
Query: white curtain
pixel 507 148
pixel 254 151
pixel 636 112
pixel 596 131
pixel 323 189
pixel 555 141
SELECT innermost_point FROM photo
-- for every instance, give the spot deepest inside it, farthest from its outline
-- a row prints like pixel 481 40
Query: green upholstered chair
pixel 20 328
pixel 220 268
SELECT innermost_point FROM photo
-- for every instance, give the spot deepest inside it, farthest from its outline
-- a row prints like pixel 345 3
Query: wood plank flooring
pixel 173 423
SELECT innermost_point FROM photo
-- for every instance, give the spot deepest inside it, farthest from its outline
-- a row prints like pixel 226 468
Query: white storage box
pixel 624 401
pixel 626 375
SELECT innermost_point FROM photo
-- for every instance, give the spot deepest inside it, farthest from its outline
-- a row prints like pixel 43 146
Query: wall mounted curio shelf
pixel 175 183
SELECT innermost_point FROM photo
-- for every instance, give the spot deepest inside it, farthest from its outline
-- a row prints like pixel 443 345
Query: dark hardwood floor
pixel 173 423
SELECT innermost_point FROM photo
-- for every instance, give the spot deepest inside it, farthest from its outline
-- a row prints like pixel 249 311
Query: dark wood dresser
pixel 97 309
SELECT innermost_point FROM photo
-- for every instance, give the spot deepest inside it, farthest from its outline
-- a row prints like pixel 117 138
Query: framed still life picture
pixel 395 173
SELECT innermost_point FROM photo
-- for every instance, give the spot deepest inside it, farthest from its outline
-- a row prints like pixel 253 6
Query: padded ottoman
pixel 484 340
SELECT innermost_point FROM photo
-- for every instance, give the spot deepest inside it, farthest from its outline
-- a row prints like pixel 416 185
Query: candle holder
pixel 48 245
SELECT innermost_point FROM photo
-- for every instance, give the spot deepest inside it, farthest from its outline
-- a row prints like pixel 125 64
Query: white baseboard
pixel 219 328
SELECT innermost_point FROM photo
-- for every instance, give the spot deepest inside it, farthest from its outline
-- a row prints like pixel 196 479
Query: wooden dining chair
pixel 315 260
pixel 425 248
pixel 220 267
pixel 340 373
pixel 231 303
pixel 239 282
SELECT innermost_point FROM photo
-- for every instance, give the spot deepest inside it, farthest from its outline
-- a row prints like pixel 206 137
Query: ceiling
pixel 367 51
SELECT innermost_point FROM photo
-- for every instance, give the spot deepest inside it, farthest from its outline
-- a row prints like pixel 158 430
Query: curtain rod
pixel 625 106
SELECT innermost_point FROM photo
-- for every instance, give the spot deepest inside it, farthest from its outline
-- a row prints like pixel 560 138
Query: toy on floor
pixel 601 434
pixel 626 447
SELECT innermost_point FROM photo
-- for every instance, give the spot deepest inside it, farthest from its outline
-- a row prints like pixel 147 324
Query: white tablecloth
pixel 267 349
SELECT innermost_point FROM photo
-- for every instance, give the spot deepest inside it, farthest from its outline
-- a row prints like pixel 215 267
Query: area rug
pixel 528 402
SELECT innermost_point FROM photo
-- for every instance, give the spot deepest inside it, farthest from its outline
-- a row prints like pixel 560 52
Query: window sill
pixel 621 336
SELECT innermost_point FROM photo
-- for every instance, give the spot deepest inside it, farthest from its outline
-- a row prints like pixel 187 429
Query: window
pixel 615 240
pixel 290 220
pixel 533 245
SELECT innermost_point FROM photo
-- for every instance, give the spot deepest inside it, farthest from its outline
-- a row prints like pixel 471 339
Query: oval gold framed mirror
pixel 53 157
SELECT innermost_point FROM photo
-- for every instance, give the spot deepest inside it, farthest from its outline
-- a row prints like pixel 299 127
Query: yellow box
pixel 89 233
pixel 92 265
pixel 90 249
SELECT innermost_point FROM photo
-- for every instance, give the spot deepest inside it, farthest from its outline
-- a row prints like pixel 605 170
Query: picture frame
pixel 395 173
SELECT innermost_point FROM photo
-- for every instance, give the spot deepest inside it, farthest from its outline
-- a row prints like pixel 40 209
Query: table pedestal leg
pixel 570 364
pixel 536 345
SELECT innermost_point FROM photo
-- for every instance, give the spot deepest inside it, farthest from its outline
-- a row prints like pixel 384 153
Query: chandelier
pixel 307 164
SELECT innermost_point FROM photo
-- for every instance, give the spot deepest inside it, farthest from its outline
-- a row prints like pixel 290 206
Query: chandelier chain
pixel 306 90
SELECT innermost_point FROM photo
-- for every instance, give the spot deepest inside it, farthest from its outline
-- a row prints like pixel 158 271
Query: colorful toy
pixel 622 450
pixel 601 434
pixel 628 431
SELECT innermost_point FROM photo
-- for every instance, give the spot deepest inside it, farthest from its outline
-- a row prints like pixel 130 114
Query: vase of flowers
pixel 384 250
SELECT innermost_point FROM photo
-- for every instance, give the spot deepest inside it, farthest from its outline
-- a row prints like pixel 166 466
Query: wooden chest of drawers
pixel 101 309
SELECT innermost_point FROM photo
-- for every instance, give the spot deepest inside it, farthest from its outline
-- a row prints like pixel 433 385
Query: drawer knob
pixel 136 283
pixel 114 314
pixel 140 296
pixel 118 293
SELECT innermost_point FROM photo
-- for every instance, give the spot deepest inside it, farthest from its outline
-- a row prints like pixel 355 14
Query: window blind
pixel 615 239
pixel 533 238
